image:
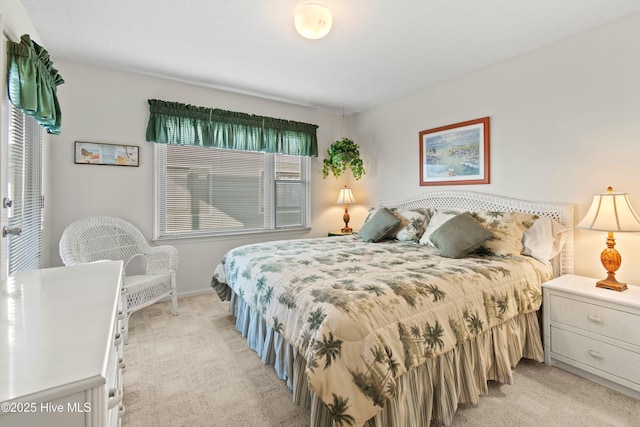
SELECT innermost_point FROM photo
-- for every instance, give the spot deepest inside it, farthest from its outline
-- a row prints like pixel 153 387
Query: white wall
pixel 565 123
pixel 100 105
pixel 15 20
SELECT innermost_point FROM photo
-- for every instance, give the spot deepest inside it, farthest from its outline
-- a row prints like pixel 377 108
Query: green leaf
pixel 343 154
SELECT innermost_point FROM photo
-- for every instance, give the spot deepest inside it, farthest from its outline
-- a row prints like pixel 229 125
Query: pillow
pixel 459 236
pixel 379 225
pixel 544 240
pixel 413 223
pixel 391 233
pixel 438 218
pixel 507 229
pixel 370 214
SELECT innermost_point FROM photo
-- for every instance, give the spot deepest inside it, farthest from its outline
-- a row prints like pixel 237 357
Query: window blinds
pixel 24 251
pixel 205 191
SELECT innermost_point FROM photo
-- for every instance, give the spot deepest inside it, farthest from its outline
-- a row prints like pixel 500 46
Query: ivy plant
pixel 343 154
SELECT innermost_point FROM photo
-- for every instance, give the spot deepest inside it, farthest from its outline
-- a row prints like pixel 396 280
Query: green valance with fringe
pixel 183 124
pixel 32 83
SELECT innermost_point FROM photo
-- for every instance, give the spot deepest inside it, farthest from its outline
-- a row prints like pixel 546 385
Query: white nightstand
pixel 593 332
pixel 340 233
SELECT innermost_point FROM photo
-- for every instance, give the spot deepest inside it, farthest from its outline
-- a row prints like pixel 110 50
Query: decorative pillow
pixel 438 218
pixel 413 224
pixel 507 229
pixel 545 239
pixel 459 236
pixel 370 214
pixel 379 225
pixel 391 233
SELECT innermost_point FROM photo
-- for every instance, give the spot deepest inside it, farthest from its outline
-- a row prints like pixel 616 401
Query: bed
pixel 390 332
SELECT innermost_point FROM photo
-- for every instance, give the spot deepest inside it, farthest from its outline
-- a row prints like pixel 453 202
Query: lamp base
pixel 611 261
pixel 345 218
pixel 611 283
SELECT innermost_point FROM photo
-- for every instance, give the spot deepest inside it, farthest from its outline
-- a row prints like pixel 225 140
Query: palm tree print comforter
pixel 363 314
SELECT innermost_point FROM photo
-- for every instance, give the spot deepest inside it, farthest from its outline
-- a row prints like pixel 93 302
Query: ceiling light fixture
pixel 312 21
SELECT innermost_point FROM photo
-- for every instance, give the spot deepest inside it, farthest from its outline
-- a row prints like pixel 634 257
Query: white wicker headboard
pixel 473 201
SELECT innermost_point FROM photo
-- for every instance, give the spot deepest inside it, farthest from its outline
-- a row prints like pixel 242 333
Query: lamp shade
pixel 610 212
pixel 345 197
pixel 312 21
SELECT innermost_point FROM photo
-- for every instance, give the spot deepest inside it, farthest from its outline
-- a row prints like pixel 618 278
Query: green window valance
pixel 32 83
pixel 182 124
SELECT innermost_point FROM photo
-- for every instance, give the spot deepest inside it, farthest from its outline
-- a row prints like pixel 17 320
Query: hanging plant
pixel 343 154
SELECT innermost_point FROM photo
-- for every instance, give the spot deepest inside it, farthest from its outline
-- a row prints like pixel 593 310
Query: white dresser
pixel 61 347
pixel 593 332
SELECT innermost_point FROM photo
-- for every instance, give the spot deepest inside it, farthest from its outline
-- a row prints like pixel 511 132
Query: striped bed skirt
pixel 428 392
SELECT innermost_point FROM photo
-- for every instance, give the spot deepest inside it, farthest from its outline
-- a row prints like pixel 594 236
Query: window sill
pixel 228 236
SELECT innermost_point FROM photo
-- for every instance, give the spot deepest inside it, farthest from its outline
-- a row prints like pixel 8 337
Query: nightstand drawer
pixel 605 357
pixel 612 323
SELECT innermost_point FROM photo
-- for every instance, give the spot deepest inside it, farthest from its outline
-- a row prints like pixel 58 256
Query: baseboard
pixel 191 294
pixel 195 293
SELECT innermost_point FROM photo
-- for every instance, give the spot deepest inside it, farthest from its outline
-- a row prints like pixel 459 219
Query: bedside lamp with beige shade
pixel 346 198
pixel 611 212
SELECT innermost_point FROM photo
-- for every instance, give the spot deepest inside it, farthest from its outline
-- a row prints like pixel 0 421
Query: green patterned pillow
pixel 459 236
pixel 507 228
pixel 413 224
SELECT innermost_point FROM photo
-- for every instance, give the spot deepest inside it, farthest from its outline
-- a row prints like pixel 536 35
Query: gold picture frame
pixel 455 154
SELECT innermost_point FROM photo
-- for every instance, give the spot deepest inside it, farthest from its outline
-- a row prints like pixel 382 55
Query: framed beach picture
pixel 96 153
pixel 455 154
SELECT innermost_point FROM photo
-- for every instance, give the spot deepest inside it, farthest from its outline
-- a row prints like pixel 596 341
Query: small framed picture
pixel 455 154
pixel 96 153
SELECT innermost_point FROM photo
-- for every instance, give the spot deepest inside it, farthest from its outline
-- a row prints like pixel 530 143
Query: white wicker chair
pixel 106 238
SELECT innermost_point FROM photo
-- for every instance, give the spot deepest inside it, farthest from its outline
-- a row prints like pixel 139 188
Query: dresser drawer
pixel 605 357
pixel 605 321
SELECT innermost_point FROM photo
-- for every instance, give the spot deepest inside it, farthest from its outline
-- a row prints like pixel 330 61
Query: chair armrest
pixel 162 258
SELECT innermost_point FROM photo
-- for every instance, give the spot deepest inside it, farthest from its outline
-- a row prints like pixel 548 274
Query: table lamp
pixel 610 212
pixel 345 198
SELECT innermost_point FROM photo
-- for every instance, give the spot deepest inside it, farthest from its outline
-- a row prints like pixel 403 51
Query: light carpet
pixel 195 370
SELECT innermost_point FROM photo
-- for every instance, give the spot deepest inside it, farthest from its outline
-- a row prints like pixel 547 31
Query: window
pixel 24 191
pixel 211 191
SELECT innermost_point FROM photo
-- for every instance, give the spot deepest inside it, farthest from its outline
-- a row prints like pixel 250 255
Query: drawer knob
pixel 594 319
pixel 595 354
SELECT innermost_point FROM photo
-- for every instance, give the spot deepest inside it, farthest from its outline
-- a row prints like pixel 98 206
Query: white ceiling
pixel 377 50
